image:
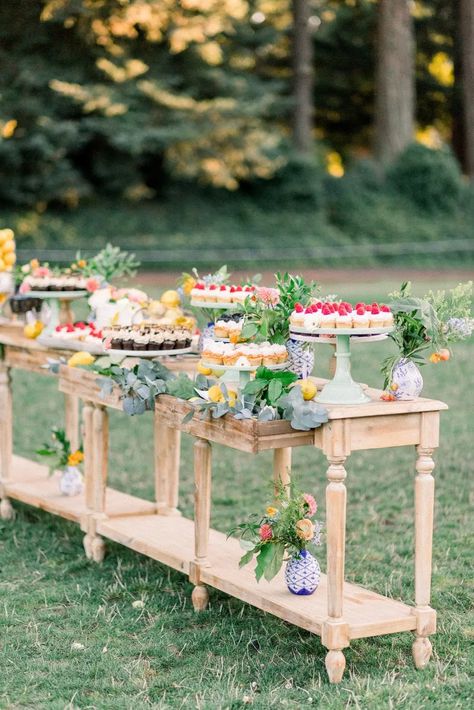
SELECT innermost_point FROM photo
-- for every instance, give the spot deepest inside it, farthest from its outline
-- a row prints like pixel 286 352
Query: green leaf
pixel 254 386
pixel 275 388
pixel 245 559
pixel 249 330
pixel 275 562
pixel 263 557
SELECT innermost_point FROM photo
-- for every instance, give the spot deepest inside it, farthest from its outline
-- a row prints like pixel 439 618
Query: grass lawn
pixel 166 656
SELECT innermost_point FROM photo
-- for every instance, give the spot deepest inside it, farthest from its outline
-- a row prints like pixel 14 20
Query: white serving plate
pixel 62 295
pixel 51 341
pixel 147 353
pixel 218 305
pixel 244 368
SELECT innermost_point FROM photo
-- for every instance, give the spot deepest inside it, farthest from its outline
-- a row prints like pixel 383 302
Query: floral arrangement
pixel 267 314
pixel 431 323
pixel 110 263
pixel 271 395
pixel 286 529
pixel 59 451
pixel 187 282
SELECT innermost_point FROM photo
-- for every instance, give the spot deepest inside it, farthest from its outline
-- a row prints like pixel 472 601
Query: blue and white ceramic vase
pixel 408 379
pixel 302 574
pixel 207 332
pixel 300 358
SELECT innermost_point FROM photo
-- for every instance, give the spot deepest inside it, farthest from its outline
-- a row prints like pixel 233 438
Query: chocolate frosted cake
pixel 147 337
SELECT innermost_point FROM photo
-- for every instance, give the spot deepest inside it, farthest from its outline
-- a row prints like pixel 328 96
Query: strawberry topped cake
pixel 85 332
pixel 341 314
pixel 220 293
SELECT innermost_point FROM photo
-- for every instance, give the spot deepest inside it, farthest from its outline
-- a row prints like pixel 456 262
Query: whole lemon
pixel 203 370
pixel 32 330
pixel 6 235
pixel 8 246
pixel 80 358
pixel 170 299
pixel 308 389
pixel 10 258
pixel 215 394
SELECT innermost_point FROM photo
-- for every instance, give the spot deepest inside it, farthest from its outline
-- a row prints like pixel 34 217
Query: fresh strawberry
pixel 360 305
pixel 299 308
pixel 385 309
pixel 238 288
pixel 201 286
pixel 368 308
pixel 319 305
pixel 213 287
pixel 223 288
pixel 232 289
pixel 308 309
pixel 360 311
pixel 326 311
pixel 375 310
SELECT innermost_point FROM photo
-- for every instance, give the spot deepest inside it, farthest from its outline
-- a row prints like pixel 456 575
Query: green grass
pixel 274 233
pixel 231 656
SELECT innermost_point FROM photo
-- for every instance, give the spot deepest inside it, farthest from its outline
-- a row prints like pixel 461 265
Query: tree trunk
pixel 302 78
pixel 395 79
pixel 467 37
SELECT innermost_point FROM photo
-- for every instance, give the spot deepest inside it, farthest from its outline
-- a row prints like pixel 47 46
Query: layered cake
pixel 341 314
pixel 220 293
pixel 146 337
pixel 243 354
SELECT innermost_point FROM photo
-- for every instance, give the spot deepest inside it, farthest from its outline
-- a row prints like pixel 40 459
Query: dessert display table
pixel 27 481
pixel 338 611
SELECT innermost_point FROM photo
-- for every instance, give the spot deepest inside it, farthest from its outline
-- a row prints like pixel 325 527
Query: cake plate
pixel 244 371
pixel 341 389
pixel 56 299
pixel 151 354
pixel 52 341
pixel 215 305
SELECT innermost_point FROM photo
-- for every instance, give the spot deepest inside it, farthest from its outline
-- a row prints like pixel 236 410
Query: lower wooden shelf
pixel 31 484
pixel 170 540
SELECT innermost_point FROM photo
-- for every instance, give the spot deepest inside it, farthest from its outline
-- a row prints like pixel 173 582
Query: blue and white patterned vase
pixel 302 574
pixel 71 482
pixel 300 358
pixel 207 332
pixel 408 379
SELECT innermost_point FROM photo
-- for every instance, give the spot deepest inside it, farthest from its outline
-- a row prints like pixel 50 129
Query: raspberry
pixel 308 310
pixel 375 310
pixel 385 309
pixel 200 286
pixel 222 288
pixel 299 308
pixel 212 287
pixel 238 288
pixel 326 311
pixel 360 311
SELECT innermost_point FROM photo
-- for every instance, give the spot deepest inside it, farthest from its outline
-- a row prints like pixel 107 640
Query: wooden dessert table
pixel 338 611
pixel 27 481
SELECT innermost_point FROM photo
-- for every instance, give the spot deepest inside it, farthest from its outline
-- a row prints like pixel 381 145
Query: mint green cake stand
pixel 54 300
pixel 341 389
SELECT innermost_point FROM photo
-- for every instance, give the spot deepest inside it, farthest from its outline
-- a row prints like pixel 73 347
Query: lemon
pixel 10 258
pixel 308 389
pixel 8 246
pixel 80 358
pixel 32 330
pixel 170 299
pixel 2 265
pixel 203 370
pixel 6 235
pixel 215 394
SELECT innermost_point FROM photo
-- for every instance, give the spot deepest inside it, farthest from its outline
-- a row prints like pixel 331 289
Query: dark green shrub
pixel 299 184
pixel 431 179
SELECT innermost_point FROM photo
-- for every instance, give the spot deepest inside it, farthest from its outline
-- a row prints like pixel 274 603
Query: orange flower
pixel 82 263
pixel 271 511
pixel 34 263
pixel 75 458
pixel 305 529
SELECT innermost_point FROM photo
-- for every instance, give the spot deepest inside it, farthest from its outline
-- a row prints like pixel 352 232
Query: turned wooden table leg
pixel 424 509
pixel 282 467
pixel 335 634
pixel 96 446
pixel 6 440
pixel 71 420
pixel 202 518
pixel 167 461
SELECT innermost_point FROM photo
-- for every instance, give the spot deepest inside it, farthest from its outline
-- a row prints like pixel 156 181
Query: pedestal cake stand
pixel 56 299
pixel 341 389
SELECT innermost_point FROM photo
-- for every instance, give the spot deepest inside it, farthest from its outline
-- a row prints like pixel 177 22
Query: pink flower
pixel 92 284
pixel 269 296
pixel 311 503
pixel 266 532
pixel 136 296
pixel 41 271
pixel 25 287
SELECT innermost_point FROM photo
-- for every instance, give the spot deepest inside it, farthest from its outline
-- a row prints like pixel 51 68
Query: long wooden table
pixel 29 482
pixel 338 611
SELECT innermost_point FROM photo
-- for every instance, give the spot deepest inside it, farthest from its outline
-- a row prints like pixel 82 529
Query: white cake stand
pixel 55 299
pixel 341 389
pixel 149 354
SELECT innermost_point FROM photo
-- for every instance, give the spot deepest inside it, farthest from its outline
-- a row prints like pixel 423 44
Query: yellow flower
pixel 188 285
pixel 170 299
pixel 75 458
pixel 305 529
pixel 82 263
pixel 80 358
pixel 271 511
pixel 34 263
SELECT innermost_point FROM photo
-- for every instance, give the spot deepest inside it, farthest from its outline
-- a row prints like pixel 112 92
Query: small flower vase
pixel 408 379
pixel 300 358
pixel 207 332
pixel 71 483
pixel 302 574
